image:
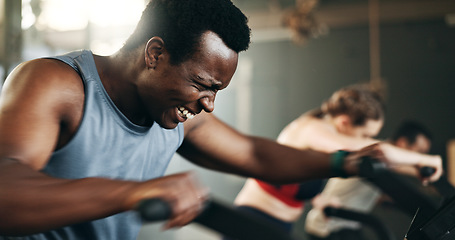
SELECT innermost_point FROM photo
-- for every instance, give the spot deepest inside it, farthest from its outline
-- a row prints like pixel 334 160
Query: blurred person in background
pixel 355 194
pixel 348 120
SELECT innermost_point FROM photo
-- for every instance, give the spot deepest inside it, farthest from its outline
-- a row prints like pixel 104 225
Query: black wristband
pixel 337 163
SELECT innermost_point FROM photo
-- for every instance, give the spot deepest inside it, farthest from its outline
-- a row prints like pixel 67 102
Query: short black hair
pixel 410 130
pixel 181 23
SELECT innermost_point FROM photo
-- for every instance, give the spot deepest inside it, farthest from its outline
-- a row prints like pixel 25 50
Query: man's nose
pixel 208 103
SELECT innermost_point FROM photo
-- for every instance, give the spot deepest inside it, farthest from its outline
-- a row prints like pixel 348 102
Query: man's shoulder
pixel 46 81
pixel 50 67
pixel 45 73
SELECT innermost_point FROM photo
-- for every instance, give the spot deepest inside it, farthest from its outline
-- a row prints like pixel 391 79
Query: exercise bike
pixel 228 221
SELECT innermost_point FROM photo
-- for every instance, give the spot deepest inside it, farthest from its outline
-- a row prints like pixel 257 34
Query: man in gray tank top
pixel 84 138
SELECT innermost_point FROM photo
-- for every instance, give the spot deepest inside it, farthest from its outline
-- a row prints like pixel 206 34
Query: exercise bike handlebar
pixel 407 196
pixel 154 210
pixel 220 217
pixel 431 221
pixel 427 171
pixel 369 167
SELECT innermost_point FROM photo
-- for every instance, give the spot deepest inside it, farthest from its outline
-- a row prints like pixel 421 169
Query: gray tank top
pixel 108 145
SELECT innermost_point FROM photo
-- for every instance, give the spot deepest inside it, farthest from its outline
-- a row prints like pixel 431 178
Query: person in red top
pixel 346 121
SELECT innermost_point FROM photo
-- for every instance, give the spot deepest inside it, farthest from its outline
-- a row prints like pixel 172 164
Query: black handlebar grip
pixel 427 171
pixel 330 211
pixel 154 209
pixel 370 167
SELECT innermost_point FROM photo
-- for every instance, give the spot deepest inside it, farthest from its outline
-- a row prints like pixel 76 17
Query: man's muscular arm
pixel 32 202
pixel 213 144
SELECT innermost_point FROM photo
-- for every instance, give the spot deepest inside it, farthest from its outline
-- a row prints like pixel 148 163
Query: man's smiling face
pixel 175 93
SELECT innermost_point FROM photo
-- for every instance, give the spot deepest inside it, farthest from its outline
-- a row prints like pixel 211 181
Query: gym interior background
pixel 407 44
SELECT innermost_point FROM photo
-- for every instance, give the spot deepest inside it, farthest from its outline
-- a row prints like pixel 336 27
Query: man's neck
pixel 118 74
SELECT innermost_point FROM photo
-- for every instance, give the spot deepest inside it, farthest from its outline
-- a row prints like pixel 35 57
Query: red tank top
pixel 285 193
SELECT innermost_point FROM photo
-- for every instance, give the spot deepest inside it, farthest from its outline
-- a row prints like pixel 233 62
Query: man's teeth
pixel 185 113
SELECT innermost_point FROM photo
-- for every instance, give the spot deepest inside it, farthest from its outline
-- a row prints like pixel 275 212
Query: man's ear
pixel 153 50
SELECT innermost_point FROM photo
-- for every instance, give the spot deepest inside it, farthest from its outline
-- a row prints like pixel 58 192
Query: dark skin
pixel 41 107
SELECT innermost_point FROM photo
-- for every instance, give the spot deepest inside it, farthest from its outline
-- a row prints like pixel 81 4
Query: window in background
pixel 57 26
